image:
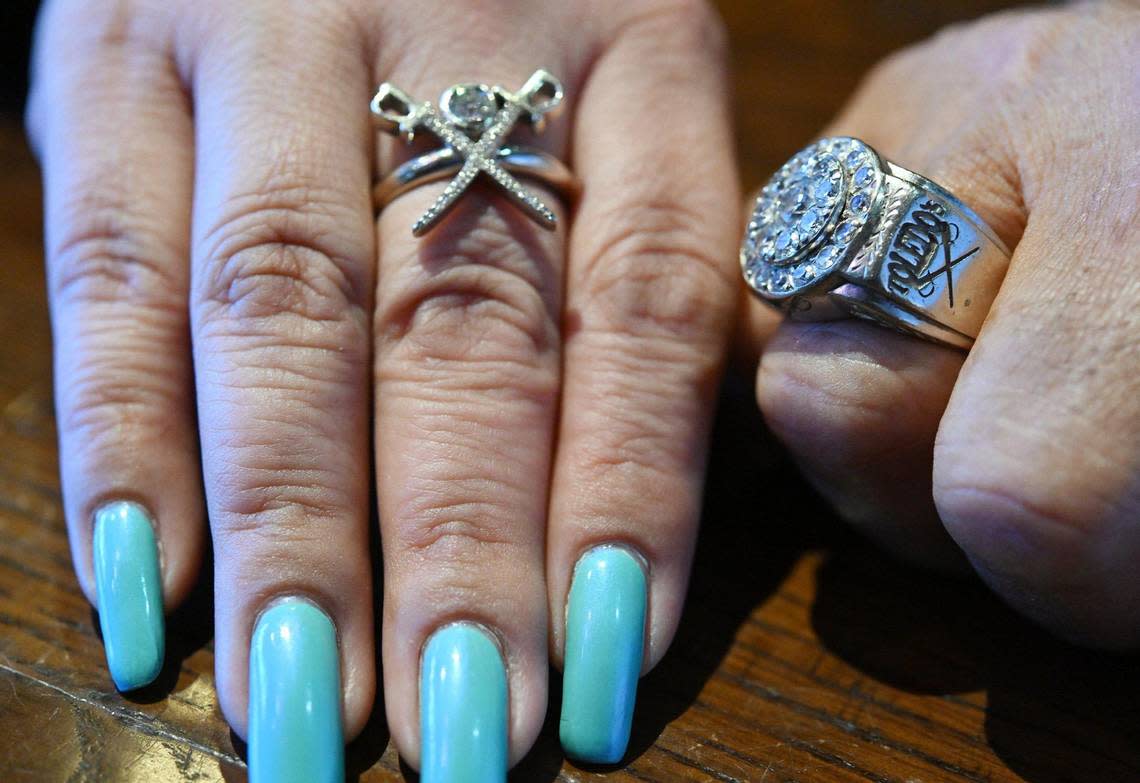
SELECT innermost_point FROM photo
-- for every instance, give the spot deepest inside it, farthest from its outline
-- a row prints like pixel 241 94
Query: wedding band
pixel 840 231
pixel 473 122
pixel 446 162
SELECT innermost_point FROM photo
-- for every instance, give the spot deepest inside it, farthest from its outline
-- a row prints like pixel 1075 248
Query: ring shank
pixel 446 162
pixel 930 268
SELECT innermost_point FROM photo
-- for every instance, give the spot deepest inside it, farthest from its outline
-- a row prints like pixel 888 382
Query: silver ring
pixel 473 122
pixel 839 231
pixel 446 162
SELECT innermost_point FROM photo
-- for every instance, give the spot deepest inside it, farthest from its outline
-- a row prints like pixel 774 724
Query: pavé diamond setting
pixel 840 231
pixel 807 219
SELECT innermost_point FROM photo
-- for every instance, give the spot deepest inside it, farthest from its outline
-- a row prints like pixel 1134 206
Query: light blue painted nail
pixel 295 729
pixel 605 632
pixel 128 584
pixel 463 708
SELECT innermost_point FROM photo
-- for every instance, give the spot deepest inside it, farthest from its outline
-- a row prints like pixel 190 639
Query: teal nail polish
pixel 129 588
pixel 463 708
pixel 295 729
pixel 605 631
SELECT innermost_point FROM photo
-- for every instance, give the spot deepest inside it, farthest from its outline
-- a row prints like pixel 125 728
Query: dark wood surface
pixel 804 654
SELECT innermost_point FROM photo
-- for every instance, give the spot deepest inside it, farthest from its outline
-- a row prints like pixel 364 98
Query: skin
pixel 1022 458
pixel 228 312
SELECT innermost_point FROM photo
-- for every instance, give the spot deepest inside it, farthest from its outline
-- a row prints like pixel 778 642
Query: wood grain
pixel 804 655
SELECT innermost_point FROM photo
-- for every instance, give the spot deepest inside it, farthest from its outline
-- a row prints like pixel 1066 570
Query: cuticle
pixel 625 546
pixel 489 630
pixel 152 519
pixel 273 599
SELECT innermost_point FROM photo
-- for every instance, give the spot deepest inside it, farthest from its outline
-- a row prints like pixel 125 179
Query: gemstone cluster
pixel 810 216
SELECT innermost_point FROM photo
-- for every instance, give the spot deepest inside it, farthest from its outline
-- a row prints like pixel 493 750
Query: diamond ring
pixel 445 162
pixel 839 231
pixel 473 122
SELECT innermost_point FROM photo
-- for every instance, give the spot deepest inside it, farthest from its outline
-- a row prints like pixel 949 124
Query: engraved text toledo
pixel 925 239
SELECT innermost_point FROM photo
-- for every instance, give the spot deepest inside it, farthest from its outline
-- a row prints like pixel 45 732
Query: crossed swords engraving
pixel 948 264
pixel 399 114
pixel 945 240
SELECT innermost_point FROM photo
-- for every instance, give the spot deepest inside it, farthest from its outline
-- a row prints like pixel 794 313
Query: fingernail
pixel 605 631
pixel 295 730
pixel 463 707
pixel 128 584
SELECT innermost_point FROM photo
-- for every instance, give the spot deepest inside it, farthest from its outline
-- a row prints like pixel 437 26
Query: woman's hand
pixel 227 312
pixel 1027 452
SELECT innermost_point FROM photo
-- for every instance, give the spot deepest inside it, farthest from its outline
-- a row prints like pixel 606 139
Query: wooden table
pixel 804 654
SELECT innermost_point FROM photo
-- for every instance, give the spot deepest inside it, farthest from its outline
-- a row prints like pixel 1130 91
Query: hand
pixel 226 311
pixel 1026 452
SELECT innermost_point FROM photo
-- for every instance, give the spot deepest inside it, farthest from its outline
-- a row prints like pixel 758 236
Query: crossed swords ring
pixel 839 231
pixel 473 121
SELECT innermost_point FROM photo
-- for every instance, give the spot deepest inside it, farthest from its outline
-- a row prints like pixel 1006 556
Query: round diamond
pixel 470 106
pixel 844 232
pixel 784 240
pixel 825 189
pixel 810 222
pixel 863 176
pixel 826 257
pixel 860 202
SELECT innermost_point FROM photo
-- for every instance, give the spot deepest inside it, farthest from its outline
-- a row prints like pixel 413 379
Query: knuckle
pixel 455 540
pixel 632 439
pixel 630 462
pixel 285 464
pixel 477 308
pixel 267 278
pixel 1001 508
pixel 651 275
pixel 72 35
pixel 273 499
pixel 105 23
pixel 455 529
pixel 279 255
pixel 697 20
pixel 1021 42
pixel 102 258
pixel 98 407
pixel 1007 49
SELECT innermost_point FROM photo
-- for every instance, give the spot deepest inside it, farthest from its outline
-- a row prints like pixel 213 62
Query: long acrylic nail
pixel 605 631
pixel 463 708
pixel 295 728
pixel 129 588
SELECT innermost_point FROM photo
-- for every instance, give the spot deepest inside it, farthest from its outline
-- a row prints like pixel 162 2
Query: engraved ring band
pixel 473 121
pixel 839 231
